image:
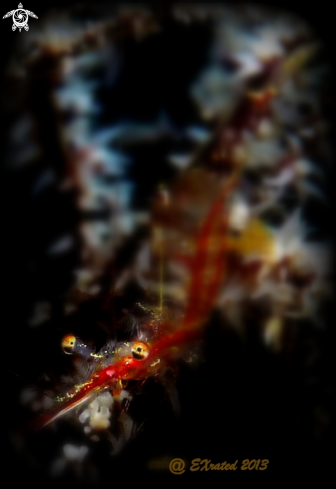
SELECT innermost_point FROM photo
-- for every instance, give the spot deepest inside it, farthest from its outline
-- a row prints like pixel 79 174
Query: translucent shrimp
pixel 139 360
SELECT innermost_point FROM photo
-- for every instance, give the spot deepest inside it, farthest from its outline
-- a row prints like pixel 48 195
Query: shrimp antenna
pixel 161 269
pixel 163 197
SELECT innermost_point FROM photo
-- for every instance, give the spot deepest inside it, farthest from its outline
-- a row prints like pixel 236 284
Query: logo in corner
pixel 20 18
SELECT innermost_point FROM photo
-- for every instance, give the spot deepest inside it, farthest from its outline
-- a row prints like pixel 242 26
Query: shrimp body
pixel 206 270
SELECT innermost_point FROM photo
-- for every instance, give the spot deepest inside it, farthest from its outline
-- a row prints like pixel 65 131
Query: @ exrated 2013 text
pixel 177 465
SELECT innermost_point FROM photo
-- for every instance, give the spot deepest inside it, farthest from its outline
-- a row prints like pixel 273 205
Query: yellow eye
pixel 68 343
pixel 140 350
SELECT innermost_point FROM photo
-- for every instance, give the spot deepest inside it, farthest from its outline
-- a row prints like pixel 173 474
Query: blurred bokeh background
pixel 109 108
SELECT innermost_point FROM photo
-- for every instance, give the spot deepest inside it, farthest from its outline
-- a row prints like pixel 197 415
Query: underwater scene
pixel 168 254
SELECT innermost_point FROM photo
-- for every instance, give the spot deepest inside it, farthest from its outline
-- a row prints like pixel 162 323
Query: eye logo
pixel 20 18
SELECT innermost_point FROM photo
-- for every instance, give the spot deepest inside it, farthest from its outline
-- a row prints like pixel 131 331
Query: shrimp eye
pixel 140 350
pixel 68 344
